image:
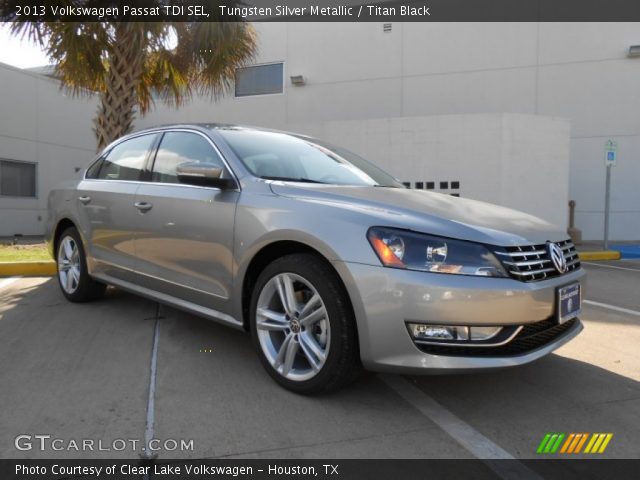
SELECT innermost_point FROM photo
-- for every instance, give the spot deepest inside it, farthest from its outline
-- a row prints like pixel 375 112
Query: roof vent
pixel 386 27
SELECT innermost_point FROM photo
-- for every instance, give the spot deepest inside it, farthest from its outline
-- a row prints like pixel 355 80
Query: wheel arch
pixel 267 254
pixel 61 226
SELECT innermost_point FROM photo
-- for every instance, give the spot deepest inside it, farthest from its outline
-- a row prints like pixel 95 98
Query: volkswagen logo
pixel 557 257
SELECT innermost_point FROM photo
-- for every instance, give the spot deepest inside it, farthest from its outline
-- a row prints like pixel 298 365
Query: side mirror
pixel 203 174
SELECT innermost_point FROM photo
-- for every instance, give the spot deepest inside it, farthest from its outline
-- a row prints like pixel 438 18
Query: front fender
pixel 262 220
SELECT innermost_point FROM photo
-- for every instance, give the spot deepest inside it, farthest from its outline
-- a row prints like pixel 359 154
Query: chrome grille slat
pixel 520 254
pixel 534 272
pixel 528 262
pixel 532 262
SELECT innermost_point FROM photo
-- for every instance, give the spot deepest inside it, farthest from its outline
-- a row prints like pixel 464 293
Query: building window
pixel 17 179
pixel 260 80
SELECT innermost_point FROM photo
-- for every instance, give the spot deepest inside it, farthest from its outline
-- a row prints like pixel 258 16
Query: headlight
pixel 417 251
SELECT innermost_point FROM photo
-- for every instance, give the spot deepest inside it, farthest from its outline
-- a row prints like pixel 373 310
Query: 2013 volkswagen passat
pixel 328 261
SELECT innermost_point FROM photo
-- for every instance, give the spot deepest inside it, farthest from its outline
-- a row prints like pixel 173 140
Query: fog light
pixel 484 333
pixel 420 331
pixel 455 333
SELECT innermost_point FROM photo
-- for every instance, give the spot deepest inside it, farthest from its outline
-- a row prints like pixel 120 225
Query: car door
pixel 106 210
pixel 184 237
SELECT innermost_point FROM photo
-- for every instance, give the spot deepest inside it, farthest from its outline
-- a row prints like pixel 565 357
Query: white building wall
pixel 355 71
pixel 490 155
pixel 577 71
pixel 39 123
pixel 585 76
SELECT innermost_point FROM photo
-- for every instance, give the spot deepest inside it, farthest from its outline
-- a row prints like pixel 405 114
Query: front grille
pixel 529 263
pixel 530 338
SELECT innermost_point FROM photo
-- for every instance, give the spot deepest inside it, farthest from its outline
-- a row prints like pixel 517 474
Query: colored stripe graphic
pixel 567 442
pixel 550 443
pixel 581 443
pixel 598 443
pixel 543 443
pixel 555 447
pixel 572 443
pixel 607 439
pixel 596 446
pixel 594 437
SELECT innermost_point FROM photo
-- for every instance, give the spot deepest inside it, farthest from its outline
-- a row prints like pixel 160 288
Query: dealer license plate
pixel 569 298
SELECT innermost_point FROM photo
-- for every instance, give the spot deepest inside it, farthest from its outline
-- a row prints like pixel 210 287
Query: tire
pixel 311 345
pixel 73 277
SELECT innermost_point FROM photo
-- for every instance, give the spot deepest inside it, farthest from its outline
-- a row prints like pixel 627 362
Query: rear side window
pixel 181 147
pixel 126 160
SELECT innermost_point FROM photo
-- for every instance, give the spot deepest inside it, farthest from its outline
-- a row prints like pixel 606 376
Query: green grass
pixel 23 253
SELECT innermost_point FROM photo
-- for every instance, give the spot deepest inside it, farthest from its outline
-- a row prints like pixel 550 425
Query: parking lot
pixel 83 372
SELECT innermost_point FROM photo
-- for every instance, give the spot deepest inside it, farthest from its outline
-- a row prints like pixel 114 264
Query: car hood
pixel 429 212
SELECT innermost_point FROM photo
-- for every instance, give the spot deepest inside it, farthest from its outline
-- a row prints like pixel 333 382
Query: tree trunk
pixel 116 111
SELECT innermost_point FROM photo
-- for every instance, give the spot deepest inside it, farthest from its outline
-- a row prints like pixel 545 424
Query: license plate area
pixel 569 302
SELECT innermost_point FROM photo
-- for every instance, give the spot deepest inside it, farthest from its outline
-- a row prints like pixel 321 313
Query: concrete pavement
pixel 82 372
pixel 72 371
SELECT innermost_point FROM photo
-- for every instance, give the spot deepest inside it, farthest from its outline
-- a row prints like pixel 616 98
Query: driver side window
pixel 181 147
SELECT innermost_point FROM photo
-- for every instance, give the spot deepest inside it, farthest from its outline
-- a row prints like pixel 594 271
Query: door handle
pixel 143 206
pixel 85 199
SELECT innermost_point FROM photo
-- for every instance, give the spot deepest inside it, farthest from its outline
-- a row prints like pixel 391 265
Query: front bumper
pixel 384 299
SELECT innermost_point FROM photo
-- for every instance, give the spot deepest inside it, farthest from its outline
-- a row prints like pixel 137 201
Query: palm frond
pixel 218 50
pixel 131 64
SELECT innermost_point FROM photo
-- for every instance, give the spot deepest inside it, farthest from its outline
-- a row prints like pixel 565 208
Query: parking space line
pixel 148 433
pixel 612 307
pixel 463 433
pixel 637 270
pixel 5 282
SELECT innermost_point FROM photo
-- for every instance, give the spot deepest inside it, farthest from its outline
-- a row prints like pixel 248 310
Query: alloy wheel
pixel 293 326
pixel 69 265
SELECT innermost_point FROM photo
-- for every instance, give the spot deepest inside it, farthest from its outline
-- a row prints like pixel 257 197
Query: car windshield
pixel 281 156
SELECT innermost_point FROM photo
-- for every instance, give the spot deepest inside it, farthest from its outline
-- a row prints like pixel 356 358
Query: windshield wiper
pixel 291 179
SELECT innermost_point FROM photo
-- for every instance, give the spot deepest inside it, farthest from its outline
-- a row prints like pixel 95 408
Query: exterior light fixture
pixel 634 51
pixel 298 80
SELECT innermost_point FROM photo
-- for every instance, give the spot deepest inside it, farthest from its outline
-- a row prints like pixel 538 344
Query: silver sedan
pixel 329 262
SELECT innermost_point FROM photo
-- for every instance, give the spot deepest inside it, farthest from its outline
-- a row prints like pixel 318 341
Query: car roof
pixel 215 126
pixel 202 126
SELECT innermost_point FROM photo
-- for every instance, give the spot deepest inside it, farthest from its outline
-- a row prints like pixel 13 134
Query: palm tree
pixel 129 64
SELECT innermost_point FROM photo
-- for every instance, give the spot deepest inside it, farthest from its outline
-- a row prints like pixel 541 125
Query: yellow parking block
pixel 600 255
pixel 27 269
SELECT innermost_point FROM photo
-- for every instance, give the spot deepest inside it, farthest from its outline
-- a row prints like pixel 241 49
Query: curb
pixel 28 269
pixel 48 268
pixel 600 255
